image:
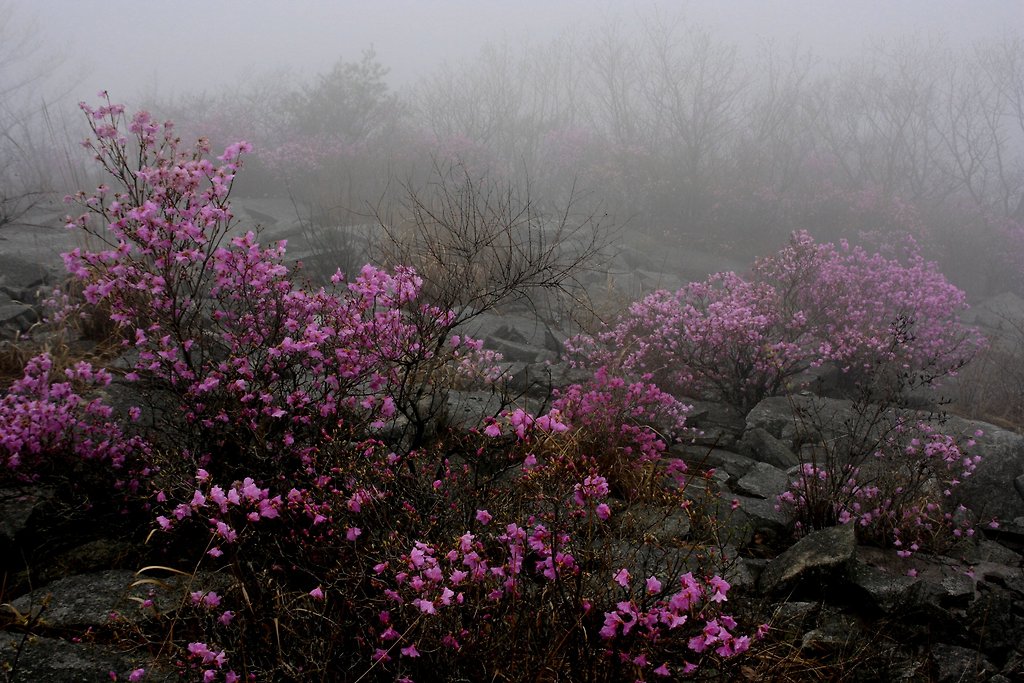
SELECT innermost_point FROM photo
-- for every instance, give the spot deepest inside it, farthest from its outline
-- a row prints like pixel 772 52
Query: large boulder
pixel 27 658
pixel 813 560
pixel 990 491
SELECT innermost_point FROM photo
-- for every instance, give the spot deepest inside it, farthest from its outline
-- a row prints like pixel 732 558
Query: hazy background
pixel 163 48
pixel 719 125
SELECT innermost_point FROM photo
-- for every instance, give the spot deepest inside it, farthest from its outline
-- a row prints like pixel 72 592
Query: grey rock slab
pixel 15 316
pixel 467 409
pixel 16 508
pixel 761 514
pixel 35 659
pixel 97 598
pixel 519 352
pixel 775 416
pixel 704 457
pixel 819 554
pixel 20 277
pixel 939 582
pixel 985 550
pixel 835 633
pixel 705 414
pixel 989 491
pixel 759 444
pixel 885 590
pixel 999 312
pixel 809 420
pixel 763 481
pixel 954 664
pixel 524 330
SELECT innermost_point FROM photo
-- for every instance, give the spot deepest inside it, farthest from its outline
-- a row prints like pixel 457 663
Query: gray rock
pixel 16 508
pixel 97 598
pixel 774 416
pixel 20 278
pixel 985 550
pixel 467 409
pixel 519 352
pixel 719 424
pixel 996 313
pixel 763 481
pixel 954 664
pixel 761 445
pixel 990 491
pixel 704 457
pixel 811 421
pixel 820 554
pixel 34 659
pixel 835 634
pixel 885 590
pixel 521 330
pixel 15 317
pixel 760 514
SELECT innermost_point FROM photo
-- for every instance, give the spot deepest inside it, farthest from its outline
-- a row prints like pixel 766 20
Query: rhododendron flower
pixel 622 577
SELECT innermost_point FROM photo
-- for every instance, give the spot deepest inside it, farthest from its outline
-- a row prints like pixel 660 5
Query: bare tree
pixel 481 244
pixel 24 178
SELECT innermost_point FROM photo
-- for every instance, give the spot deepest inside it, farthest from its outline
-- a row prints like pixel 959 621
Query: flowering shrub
pixel 626 425
pixel 284 464
pixel 872 313
pixel 48 426
pixel 260 366
pixel 896 496
pixel 739 340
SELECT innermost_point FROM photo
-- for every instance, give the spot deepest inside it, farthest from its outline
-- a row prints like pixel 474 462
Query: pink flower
pixel 483 516
pixel 317 593
pixel 622 578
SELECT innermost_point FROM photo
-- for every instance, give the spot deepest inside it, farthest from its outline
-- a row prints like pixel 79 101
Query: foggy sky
pixel 144 47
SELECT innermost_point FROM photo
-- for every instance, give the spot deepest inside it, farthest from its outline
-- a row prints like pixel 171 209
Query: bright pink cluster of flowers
pixel 45 424
pixel 739 339
pixel 621 415
pixel 898 496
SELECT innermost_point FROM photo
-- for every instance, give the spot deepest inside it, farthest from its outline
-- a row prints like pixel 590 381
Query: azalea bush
pixel 893 480
pixel 49 427
pixel 321 540
pixel 877 318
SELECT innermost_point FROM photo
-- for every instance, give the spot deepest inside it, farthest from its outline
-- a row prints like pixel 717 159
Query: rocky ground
pixel 69 576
